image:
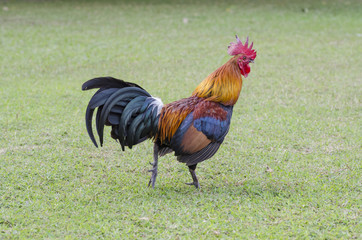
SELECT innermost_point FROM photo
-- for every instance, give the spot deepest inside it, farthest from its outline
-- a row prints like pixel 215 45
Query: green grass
pixel 299 116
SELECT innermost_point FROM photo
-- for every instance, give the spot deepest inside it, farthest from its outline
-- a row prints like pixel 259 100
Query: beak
pixel 251 61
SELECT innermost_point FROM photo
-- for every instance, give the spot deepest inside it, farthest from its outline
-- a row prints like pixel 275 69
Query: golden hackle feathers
pixel 223 85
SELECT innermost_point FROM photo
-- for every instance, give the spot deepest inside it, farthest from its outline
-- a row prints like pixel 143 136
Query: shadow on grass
pixel 247 190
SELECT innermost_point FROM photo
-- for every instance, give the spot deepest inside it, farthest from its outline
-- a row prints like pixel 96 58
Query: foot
pixel 153 177
pixel 154 166
pixel 194 178
pixel 196 184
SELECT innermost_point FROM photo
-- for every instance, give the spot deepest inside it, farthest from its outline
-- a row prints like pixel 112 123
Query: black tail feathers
pixel 107 82
pixel 131 111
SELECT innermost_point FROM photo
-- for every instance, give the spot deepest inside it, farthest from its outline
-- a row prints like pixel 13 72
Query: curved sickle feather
pixel 111 101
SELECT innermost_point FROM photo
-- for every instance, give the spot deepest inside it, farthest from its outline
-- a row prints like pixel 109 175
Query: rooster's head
pixel 246 54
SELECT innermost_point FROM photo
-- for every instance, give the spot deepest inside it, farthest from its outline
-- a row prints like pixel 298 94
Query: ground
pixel 290 166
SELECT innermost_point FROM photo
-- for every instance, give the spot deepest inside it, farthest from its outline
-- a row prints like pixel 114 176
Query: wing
pixel 213 120
pixel 201 133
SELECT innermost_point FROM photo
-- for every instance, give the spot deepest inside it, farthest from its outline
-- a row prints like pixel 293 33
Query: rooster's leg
pixel 195 182
pixel 154 166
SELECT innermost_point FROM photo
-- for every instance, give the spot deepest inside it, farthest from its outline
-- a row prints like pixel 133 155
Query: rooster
pixel 193 128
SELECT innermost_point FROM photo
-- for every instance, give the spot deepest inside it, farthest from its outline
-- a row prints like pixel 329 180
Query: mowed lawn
pixel 290 166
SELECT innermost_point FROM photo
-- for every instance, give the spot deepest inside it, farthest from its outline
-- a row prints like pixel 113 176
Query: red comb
pixel 239 48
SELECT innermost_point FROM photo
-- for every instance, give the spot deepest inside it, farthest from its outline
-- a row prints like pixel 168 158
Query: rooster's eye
pixel 244 58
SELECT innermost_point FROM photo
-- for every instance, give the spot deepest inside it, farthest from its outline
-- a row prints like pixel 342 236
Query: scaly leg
pixel 154 166
pixel 195 182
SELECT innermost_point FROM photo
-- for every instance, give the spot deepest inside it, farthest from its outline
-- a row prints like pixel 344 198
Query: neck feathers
pixel 223 85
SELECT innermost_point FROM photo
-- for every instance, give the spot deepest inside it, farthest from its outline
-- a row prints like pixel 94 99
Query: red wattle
pixel 245 70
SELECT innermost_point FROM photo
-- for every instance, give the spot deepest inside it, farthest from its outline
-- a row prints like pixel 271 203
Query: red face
pixel 244 64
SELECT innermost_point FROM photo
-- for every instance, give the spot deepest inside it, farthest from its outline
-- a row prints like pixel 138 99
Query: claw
pixel 149 183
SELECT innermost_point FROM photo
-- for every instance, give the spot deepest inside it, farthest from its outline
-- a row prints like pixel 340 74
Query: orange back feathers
pixel 172 115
